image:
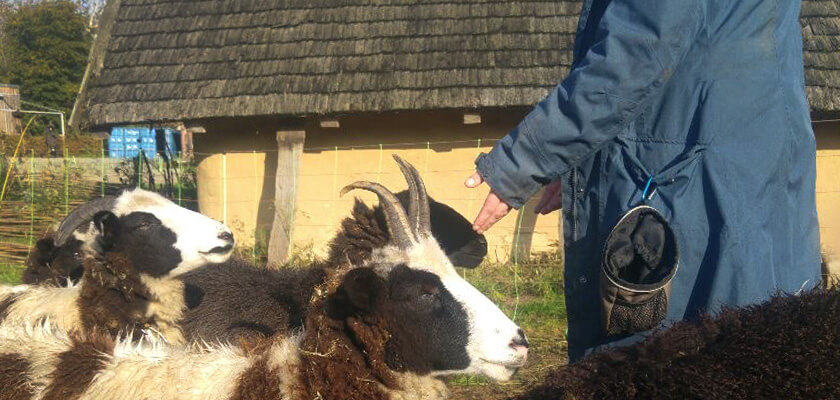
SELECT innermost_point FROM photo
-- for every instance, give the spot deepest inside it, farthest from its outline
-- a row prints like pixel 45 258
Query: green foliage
pixel 10 274
pixel 45 49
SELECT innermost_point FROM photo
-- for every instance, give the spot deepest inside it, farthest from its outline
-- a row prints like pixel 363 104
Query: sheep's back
pixel 786 348
pixel 237 301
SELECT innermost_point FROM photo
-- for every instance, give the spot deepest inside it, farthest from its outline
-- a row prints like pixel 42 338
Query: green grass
pixel 531 294
pixel 10 274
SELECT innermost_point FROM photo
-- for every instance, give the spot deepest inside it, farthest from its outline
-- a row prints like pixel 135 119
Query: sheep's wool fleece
pixel 786 348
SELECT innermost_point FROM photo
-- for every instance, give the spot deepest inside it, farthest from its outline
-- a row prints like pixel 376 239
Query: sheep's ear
pixel 359 291
pixel 108 226
pixel 45 247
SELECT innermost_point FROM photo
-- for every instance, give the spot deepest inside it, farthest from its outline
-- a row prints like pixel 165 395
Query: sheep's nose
pixel 226 236
pixel 519 341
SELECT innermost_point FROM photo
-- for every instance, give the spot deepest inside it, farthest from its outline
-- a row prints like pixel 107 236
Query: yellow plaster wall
pixel 437 143
pixel 828 185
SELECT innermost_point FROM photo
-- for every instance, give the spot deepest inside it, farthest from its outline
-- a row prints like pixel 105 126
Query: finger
pixel 474 180
pixel 545 198
pixel 485 213
pixel 541 203
pixel 550 199
pixel 500 212
pixel 555 203
pixel 495 209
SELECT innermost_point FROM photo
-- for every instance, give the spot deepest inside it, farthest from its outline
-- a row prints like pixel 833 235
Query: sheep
pixel 237 300
pixel 130 264
pixel 385 329
pixel 785 348
pixel 365 230
pixel 56 258
pixel 60 264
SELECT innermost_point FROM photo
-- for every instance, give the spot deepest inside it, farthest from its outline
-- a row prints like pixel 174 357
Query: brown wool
pixel 14 383
pixel 78 366
pixel 6 303
pixel 259 381
pixel 112 296
pixel 360 233
pixel 786 348
pixel 345 359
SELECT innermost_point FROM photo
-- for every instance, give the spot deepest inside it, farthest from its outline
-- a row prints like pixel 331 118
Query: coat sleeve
pixel 636 47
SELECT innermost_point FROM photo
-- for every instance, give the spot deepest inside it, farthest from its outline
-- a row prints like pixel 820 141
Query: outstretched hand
pixel 492 211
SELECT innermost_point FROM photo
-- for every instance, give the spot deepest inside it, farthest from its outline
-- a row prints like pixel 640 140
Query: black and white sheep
pixel 236 300
pixel 386 329
pixel 785 348
pixel 57 258
pixel 130 263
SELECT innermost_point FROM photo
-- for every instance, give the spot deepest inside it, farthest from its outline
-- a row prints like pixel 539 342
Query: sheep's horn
pixel 418 213
pixel 395 217
pixel 80 216
pixel 413 202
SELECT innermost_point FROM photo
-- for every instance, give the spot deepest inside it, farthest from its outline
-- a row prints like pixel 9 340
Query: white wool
pixel 34 304
pixel 160 372
pixel 167 306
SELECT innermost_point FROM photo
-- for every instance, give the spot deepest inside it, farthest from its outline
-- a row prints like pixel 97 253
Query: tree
pixel 46 49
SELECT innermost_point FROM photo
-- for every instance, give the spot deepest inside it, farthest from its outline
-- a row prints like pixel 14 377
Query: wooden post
pixel 289 148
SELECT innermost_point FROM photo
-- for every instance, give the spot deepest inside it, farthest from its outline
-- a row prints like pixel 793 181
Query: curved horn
pixel 413 200
pixel 395 217
pixel 419 200
pixel 81 215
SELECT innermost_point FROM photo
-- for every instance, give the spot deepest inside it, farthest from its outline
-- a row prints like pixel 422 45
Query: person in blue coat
pixel 705 102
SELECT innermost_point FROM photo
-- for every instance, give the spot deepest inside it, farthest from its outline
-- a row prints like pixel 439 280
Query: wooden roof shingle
pixel 177 59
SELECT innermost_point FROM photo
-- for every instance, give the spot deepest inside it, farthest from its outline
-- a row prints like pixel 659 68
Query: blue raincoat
pixel 705 99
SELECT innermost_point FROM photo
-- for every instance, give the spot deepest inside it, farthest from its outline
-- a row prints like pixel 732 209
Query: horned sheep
pixel 386 329
pixel 236 300
pixel 57 258
pixel 130 263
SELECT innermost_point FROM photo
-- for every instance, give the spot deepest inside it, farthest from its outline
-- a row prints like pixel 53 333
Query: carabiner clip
pixel 645 196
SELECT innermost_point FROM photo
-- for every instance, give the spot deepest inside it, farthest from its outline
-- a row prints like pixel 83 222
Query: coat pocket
pixel 640 260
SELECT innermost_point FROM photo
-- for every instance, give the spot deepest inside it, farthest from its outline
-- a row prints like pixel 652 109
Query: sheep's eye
pixel 429 297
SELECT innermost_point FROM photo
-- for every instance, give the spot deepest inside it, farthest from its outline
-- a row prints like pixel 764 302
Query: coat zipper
pixel 573 211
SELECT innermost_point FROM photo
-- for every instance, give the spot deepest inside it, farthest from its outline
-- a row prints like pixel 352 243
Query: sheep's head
pixel 437 322
pixel 170 237
pixel 53 264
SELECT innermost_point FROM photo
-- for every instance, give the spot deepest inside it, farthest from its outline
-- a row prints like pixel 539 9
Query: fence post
pixel 224 188
pixel 66 184
pixel 102 166
pixel 178 175
pixel 31 199
pixel 257 199
pixel 139 170
pixel 334 185
pixel 289 149
pixel 379 165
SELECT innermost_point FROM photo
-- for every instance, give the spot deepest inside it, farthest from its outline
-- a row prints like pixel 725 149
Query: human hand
pixel 551 199
pixel 492 211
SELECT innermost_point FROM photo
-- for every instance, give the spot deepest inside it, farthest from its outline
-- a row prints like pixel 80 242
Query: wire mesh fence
pixel 238 189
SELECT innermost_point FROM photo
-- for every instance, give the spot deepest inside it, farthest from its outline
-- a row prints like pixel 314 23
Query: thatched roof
pixel 177 59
